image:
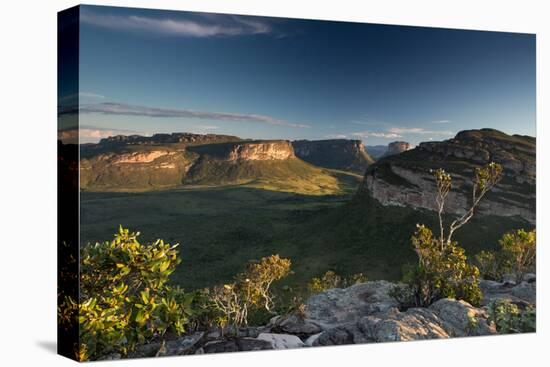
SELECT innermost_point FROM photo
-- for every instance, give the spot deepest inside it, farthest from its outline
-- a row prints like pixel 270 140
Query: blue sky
pixel 145 71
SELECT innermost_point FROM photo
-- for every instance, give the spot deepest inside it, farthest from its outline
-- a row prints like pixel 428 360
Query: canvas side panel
pixel 68 182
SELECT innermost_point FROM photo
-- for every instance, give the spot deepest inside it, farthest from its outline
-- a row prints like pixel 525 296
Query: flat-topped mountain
pixel 342 154
pixel 397 147
pixel 138 164
pixel 405 179
pixel 187 138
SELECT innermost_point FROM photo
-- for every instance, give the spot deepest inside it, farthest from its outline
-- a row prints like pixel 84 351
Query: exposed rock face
pixel 405 179
pixel 341 154
pixel 248 150
pixel 338 306
pixel 397 147
pixel 444 319
pixel 522 294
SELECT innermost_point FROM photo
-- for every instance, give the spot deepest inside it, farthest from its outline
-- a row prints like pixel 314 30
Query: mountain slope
pixel 405 179
pixel 267 164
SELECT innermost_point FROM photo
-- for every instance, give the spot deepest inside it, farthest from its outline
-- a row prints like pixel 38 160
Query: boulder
pixel 444 319
pixel 343 306
pixel 180 346
pixel 294 323
pixel 459 318
pixel 237 345
pixel 281 341
pixel 524 293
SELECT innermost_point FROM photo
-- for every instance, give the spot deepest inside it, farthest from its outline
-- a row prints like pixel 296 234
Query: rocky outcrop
pixel 397 147
pixel 362 313
pixel 247 150
pixel 406 179
pixel 341 154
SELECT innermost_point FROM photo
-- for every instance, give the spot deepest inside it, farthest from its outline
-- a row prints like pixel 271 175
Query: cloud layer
pixel 110 108
pixel 211 26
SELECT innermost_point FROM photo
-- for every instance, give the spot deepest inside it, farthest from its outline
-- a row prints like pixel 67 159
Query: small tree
pixel 442 269
pixel 251 290
pixel 519 252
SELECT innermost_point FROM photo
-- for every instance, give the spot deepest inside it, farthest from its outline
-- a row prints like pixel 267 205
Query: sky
pixel 148 71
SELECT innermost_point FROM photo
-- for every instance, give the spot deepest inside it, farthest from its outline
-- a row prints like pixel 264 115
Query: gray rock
pixel 311 340
pixel 444 319
pixel 459 318
pixel 281 341
pixel 523 293
pixel 236 345
pixel 294 323
pixel 342 306
pixel 180 346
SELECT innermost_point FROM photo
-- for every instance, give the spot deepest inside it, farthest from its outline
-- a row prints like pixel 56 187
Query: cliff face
pixel 341 154
pixel 405 179
pixel 397 147
pixel 247 150
pixel 140 167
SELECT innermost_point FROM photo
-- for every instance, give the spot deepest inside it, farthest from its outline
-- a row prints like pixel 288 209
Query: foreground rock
pixel 521 294
pixel 339 306
pixel 444 319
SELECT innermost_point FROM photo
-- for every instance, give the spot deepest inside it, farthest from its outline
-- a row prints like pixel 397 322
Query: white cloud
pixel 110 108
pixel 336 136
pixel 374 134
pixel 219 26
pixel 418 131
pixel 206 127
pixel 441 122
pixel 91 134
pixel 81 95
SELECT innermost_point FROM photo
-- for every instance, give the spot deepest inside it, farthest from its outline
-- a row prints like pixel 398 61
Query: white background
pixel 28 181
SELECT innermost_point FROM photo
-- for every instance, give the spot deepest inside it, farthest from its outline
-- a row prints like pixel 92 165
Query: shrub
pixel 519 252
pixel 490 265
pixel 251 290
pixel 509 318
pixel 124 298
pixel 442 269
pixel 332 280
pixel 517 255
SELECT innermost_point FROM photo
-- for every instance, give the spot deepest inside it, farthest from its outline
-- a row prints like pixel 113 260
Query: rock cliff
pixel 397 147
pixel 343 154
pixel 405 179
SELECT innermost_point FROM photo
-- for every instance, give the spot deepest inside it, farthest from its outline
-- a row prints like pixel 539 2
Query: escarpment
pixel 406 179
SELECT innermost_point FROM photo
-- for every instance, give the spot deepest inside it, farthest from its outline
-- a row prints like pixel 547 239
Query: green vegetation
pixel 517 255
pixel 442 270
pixel 332 280
pixel 509 318
pixel 250 291
pixel 124 299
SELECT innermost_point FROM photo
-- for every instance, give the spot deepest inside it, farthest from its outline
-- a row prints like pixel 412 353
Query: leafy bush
pixel 251 290
pixel 124 298
pixel 517 255
pixel 490 265
pixel 519 252
pixel 440 273
pixel 509 318
pixel 332 280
